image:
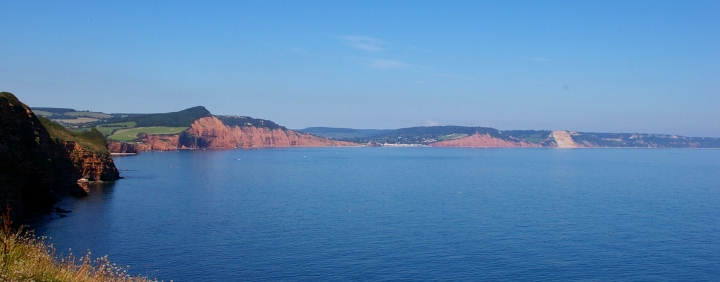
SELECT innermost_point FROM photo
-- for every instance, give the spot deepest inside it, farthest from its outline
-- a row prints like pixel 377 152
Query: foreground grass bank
pixel 25 257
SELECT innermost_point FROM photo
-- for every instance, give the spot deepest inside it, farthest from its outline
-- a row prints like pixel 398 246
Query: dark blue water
pixel 389 214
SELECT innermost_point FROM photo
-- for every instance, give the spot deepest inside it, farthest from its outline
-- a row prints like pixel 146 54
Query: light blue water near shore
pixel 389 214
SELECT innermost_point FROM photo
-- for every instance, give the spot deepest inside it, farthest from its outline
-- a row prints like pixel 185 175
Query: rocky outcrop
pixel 210 132
pixel 87 164
pixel 150 142
pixel 38 163
pixel 483 141
pixel 121 148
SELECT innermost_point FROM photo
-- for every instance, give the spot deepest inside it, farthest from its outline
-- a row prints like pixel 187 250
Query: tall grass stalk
pixel 26 257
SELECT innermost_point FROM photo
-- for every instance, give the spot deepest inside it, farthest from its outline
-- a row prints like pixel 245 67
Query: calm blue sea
pixel 394 214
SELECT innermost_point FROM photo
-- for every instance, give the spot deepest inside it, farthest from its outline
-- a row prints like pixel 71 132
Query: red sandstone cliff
pixel 211 132
pixel 149 142
pixel 87 164
pixel 121 148
pixel 482 141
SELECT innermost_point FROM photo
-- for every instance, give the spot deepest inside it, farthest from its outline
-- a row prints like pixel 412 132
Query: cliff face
pixel 80 155
pixel 149 142
pixel 483 141
pixel 26 169
pixel 37 162
pixel 211 132
pixel 88 164
pixel 564 140
pixel 121 148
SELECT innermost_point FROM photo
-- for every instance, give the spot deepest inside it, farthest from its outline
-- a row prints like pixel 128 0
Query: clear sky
pixel 602 66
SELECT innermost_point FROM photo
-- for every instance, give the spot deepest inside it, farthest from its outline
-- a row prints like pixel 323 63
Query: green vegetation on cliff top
pixel 535 136
pixel 92 140
pixel 109 129
pixel 124 127
pixel 248 121
pixel 59 111
pixel 182 118
pixel 12 99
pixel 132 133
pixel 89 114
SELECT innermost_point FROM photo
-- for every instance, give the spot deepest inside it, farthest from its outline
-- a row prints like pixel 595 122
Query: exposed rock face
pixel 35 167
pixel 87 164
pixel 121 148
pixel 149 142
pixel 564 140
pixel 483 141
pixel 211 132
pixel 253 137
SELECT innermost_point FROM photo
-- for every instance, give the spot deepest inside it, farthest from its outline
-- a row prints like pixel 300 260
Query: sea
pixel 403 214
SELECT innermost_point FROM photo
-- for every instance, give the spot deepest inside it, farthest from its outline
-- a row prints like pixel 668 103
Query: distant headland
pixel 197 128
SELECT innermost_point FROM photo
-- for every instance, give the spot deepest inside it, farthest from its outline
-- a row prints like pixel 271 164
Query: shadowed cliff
pixel 40 160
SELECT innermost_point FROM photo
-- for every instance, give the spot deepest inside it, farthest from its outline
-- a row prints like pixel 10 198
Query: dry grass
pixel 26 257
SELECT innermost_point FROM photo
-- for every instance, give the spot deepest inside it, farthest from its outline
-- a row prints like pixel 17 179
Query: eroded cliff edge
pixel 227 132
pixel 40 160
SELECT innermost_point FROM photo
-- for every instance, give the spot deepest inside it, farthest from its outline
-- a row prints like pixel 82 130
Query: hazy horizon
pixel 591 66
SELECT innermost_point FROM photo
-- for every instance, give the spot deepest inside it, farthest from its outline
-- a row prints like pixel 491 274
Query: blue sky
pixel 603 66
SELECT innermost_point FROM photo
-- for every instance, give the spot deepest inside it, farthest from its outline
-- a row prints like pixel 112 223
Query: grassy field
pixel 59 132
pixel 131 133
pixel 77 120
pixel 43 113
pixel 88 114
pixel 109 129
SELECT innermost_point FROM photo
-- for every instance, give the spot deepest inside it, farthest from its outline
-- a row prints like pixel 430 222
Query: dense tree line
pixel 248 121
pixel 54 110
pixel 175 119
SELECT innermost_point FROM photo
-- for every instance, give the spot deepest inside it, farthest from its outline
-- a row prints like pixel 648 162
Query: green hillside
pixel 131 134
pixel 535 136
pixel 428 134
pixel 92 140
pixel 52 110
pixel 109 129
pixel 125 127
pixel 182 118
